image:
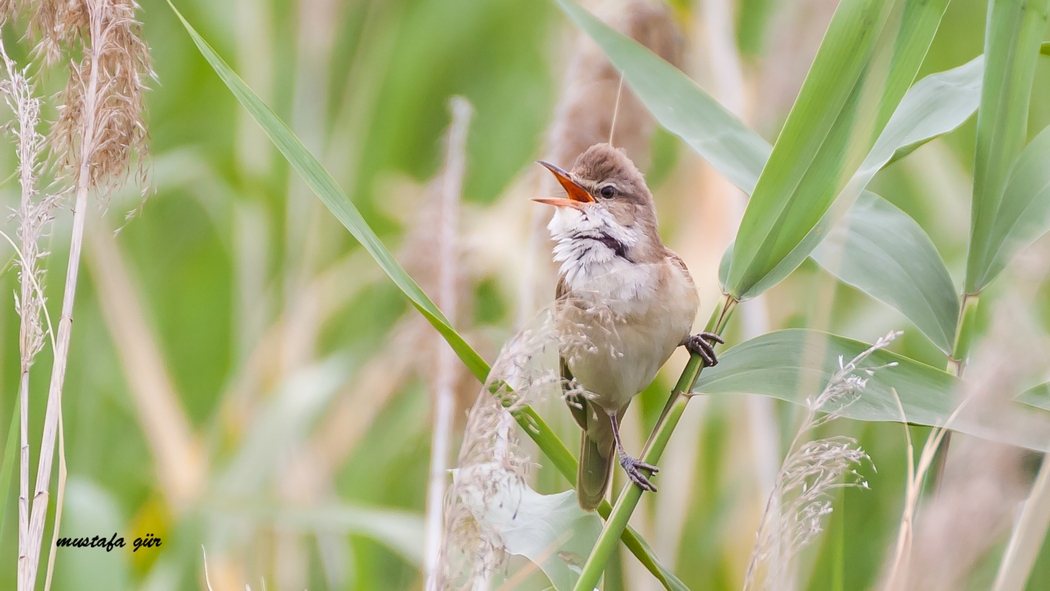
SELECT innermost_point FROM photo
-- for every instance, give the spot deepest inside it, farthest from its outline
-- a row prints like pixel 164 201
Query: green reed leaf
pixel 1037 396
pixel 932 107
pixel 880 250
pixel 1014 32
pixel 866 62
pixel 795 365
pixel 1024 212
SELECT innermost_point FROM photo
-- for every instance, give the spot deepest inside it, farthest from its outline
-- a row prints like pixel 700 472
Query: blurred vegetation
pixel 231 245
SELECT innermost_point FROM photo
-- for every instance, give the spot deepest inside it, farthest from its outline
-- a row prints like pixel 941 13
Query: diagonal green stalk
pixel 654 448
pixel 563 460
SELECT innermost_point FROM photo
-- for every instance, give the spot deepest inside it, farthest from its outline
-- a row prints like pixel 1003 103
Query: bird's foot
pixel 703 344
pixel 634 468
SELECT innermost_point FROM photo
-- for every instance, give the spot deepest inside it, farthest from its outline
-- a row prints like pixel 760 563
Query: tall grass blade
pixel 880 250
pixel 1011 47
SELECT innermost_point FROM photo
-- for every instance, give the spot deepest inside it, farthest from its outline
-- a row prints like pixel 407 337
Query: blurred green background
pixel 299 438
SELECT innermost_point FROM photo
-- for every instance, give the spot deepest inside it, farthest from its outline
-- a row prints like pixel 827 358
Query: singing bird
pixel 624 303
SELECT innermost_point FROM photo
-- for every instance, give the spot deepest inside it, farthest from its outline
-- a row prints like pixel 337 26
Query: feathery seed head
pixel 801 496
pixel 100 129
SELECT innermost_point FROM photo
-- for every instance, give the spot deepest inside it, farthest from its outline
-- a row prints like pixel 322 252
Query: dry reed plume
pixel 100 129
pixel 801 495
pixel 592 97
pixel 490 464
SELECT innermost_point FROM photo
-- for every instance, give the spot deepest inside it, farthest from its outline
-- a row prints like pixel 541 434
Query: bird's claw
pixel 702 344
pixel 634 467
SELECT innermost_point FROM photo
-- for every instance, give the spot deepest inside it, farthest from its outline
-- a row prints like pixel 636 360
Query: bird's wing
pixel 576 403
pixel 677 260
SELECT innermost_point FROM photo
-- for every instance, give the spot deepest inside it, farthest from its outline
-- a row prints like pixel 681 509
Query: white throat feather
pixel 592 245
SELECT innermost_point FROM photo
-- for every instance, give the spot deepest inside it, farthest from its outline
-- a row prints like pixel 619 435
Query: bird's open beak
pixel 577 194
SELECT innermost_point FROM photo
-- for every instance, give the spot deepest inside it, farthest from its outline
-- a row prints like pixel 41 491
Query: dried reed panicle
pixel 9 9
pixel 100 128
pixel 55 25
pixel 490 461
pixel 801 495
pixel 591 90
pixel 491 465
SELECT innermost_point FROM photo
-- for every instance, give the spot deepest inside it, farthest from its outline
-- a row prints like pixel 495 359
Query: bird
pixel 624 303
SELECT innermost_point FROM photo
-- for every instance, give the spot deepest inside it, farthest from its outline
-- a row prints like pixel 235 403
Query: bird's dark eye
pixel 608 191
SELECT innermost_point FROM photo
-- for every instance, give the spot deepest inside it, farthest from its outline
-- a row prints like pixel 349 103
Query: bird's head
pixel 607 201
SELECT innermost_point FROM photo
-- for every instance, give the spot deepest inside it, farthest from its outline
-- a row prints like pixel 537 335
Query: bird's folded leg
pixel 632 466
pixel 703 344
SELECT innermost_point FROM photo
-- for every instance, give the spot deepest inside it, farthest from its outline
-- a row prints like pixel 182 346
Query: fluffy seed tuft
pixel 100 129
pixel 801 495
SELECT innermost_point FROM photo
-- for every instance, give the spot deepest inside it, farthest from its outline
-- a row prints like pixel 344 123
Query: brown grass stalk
pixel 59 502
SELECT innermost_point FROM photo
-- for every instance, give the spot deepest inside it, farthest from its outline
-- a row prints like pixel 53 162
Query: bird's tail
pixel 596 456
